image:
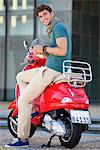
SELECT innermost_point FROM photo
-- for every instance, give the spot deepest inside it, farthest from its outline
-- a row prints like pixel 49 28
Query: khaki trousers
pixel 32 83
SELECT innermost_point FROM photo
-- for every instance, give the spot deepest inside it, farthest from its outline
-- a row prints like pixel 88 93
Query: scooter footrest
pixel 34 114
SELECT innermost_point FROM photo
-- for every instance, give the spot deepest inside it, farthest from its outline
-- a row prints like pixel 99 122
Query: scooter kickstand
pixel 49 142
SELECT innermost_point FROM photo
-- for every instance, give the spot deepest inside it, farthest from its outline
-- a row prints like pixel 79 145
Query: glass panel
pixel 20 27
pixel 85 46
pixel 76 45
pixel 94 47
pixel 95 20
pixel 77 5
pixel 88 30
pixel 85 24
pixel 95 7
pixel 86 6
pixel 62 9
pixel 76 22
pixel 2 49
pixel 41 30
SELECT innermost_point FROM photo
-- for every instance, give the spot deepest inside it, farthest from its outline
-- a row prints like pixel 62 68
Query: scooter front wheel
pixel 73 134
pixel 12 125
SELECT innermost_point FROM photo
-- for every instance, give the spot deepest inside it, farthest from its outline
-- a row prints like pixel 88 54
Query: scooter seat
pixel 61 78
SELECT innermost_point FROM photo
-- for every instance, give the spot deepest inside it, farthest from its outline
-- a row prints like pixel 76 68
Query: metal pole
pixel 6 44
pixel 34 20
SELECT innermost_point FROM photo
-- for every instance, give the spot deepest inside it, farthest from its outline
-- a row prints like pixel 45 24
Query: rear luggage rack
pixel 77 73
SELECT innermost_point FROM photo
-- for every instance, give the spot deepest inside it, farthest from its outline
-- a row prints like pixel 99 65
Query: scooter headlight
pixel 87 101
pixel 66 100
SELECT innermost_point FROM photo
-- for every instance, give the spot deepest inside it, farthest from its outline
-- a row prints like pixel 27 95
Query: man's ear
pixel 52 13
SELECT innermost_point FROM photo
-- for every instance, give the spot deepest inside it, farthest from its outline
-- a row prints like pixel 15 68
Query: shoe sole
pixel 17 146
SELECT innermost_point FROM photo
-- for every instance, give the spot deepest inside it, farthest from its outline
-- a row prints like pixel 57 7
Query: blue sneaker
pixel 17 143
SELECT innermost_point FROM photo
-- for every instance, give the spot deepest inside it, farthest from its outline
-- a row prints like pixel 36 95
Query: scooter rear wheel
pixel 73 134
pixel 12 125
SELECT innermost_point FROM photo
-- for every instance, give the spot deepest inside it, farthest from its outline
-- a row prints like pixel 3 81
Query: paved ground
pixel 87 142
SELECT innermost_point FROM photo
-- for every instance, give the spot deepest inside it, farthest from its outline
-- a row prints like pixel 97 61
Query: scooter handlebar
pixel 26 45
pixel 31 56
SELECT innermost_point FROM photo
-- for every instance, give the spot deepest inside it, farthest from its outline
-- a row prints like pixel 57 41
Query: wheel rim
pixel 13 125
pixel 69 130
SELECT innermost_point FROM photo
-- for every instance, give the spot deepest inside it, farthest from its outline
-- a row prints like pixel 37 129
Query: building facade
pixel 18 22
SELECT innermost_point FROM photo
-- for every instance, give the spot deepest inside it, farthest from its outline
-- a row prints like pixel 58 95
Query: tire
pixel 73 134
pixel 13 128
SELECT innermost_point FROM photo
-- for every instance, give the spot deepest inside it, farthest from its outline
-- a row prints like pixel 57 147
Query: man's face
pixel 45 17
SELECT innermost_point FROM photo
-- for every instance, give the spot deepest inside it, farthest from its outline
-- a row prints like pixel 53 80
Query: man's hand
pixel 29 57
pixel 38 49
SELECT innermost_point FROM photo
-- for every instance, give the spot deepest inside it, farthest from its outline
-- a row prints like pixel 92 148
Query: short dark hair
pixel 43 7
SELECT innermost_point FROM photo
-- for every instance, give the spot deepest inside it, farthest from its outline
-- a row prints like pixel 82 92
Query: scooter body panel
pixel 52 98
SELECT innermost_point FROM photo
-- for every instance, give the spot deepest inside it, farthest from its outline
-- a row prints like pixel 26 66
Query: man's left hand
pixel 38 49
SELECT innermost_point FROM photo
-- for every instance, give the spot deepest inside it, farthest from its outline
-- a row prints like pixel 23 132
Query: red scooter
pixel 62 109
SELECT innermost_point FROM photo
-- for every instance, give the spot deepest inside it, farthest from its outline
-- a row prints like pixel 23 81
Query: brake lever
pixel 23 63
pixel 32 61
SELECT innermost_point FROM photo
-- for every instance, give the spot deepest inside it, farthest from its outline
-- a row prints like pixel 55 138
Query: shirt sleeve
pixel 60 31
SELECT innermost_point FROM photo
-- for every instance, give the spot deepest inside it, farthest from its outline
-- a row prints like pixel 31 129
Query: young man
pixel 33 82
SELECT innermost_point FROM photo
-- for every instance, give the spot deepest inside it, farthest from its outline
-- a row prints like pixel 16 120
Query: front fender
pixel 12 105
pixel 15 112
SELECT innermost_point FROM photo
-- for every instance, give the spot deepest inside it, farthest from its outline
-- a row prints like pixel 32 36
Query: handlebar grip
pixel 32 61
pixel 26 45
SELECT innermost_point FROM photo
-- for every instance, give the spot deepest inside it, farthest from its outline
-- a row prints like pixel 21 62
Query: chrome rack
pixel 77 73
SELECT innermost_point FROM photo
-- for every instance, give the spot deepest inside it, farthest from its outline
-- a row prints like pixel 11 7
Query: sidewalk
pixel 4 112
pixel 94 111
